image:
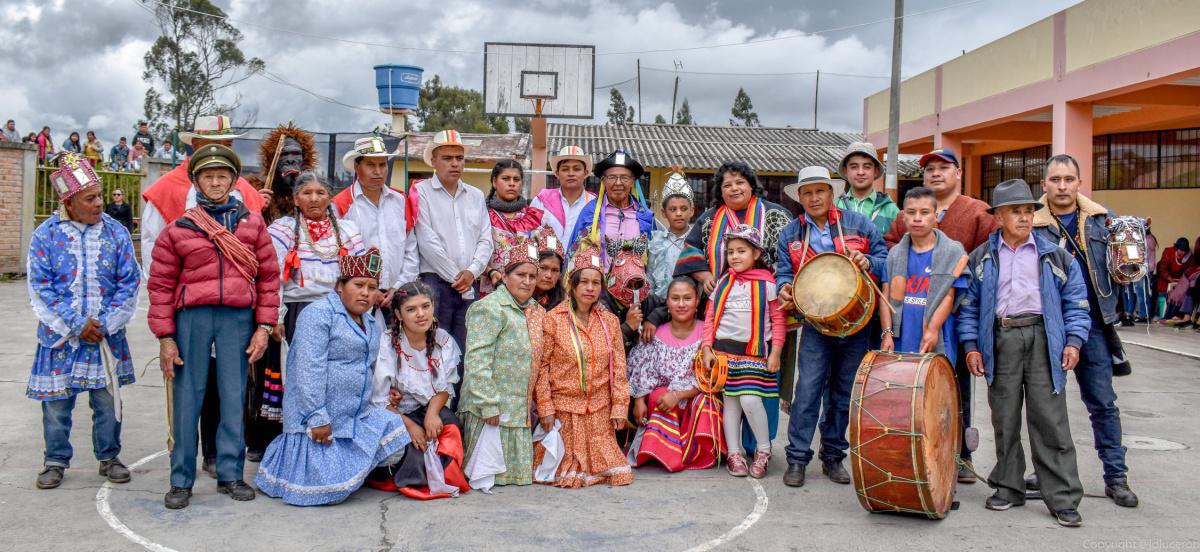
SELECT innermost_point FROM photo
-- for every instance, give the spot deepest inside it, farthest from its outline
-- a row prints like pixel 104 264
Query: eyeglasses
pixel 622 179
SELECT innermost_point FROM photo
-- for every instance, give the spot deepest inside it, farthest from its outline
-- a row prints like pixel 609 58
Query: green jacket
pixel 879 209
pixel 500 357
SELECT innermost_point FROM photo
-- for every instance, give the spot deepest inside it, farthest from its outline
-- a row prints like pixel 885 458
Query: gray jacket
pixel 948 262
pixel 1095 231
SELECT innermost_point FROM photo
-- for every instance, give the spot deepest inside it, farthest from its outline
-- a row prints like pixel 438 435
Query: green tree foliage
pixel 684 115
pixel 743 111
pixel 195 58
pixel 659 120
pixel 442 107
pixel 523 125
pixel 619 112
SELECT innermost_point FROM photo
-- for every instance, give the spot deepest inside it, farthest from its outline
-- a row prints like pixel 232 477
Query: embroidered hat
pixel 568 153
pixel 619 159
pixel 547 240
pixel 211 127
pixel 744 232
pixel 521 251
pixel 677 186
pixel 814 175
pixel 443 138
pixel 74 174
pixel 371 146
pixel 367 265
pixel 214 155
pixel 587 256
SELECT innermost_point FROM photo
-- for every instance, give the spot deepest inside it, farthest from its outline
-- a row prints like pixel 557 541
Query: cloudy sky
pixel 77 64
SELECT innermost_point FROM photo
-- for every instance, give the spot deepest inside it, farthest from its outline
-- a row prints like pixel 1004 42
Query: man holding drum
pixel 1080 226
pixel 1023 322
pixel 827 364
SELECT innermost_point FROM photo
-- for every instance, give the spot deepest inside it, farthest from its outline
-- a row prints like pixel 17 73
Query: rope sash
pixel 243 259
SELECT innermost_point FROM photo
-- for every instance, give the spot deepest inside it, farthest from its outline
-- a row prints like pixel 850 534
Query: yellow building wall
pixel 1174 212
pixel 877 111
pixel 1099 30
pixel 916 101
pixel 480 180
pixel 1019 59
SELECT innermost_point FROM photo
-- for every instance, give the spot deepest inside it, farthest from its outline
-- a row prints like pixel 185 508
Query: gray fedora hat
pixel 865 149
pixel 1012 192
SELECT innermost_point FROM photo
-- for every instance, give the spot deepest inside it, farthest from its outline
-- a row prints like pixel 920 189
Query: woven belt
pixel 1019 321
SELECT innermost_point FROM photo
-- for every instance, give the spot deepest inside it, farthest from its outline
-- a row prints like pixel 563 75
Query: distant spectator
pixel 120 210
pixel 118 157
pixel 143 137
pixel 45 145
pixel 30 138
pixel 94 150
pixel 166 150
pixel 136 155
pixel 10 131
pixel 72 144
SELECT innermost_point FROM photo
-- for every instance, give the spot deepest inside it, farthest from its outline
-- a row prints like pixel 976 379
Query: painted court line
pixel 760 508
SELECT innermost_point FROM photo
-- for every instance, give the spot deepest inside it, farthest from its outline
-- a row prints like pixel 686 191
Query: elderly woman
pixel 511 217
pixel 333 436
pixel 214 288
pixel 308 244
pixel 582 382
pixel 504 332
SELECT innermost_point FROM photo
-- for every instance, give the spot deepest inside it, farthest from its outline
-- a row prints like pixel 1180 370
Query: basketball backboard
pixel 516 76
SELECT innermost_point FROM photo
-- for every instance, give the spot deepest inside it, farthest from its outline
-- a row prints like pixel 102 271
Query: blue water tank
pixel 399 86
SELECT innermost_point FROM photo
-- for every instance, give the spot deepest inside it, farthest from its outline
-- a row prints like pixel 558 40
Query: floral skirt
pixel 591 454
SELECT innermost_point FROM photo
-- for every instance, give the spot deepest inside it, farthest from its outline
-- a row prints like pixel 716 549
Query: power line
pixel 280 80
pixel 786 74
pixel 616 84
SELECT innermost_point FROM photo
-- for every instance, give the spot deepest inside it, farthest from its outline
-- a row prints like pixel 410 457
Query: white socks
pixel 756 414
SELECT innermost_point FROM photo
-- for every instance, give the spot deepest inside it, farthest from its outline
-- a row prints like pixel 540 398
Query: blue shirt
pixel 916 295
pixel 820 240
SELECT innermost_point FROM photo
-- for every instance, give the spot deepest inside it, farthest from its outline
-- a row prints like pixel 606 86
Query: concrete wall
pixel 916 100
pixel 1021 58
pixel 18 174
pixel 1098 30
pixel 1174 212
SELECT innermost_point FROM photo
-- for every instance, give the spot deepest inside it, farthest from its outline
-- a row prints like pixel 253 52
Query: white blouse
pixel 409 371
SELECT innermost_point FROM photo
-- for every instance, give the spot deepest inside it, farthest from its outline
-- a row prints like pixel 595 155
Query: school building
pixel 1114 83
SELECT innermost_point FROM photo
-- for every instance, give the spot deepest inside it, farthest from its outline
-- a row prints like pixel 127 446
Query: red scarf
pixel 319 229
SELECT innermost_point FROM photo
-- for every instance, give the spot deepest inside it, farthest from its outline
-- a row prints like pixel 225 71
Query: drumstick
pixel 274 162
pixel 882 297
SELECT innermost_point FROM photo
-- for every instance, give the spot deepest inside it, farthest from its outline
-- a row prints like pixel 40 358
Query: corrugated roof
pixel 706 147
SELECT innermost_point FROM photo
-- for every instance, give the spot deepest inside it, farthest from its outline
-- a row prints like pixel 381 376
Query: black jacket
pixel 122 213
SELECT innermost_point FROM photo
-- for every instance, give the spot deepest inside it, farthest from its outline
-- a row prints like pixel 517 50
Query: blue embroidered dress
pixel 328 377
pixel 78 272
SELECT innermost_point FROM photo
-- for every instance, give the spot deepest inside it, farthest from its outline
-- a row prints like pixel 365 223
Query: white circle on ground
pixel 1151 443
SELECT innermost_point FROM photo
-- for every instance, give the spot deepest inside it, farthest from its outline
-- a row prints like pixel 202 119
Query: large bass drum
pixel 834 295
pixel 905 433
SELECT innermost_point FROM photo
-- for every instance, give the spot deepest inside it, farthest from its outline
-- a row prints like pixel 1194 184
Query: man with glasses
pixel 120 210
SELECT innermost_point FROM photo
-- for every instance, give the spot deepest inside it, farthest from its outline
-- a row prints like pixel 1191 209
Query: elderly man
pixel 83 287
pixel 861 168
pixel 1024 319
pixel 380 212
pixel 453 234
pixel 965 220
pixel 1080 226
pixel 564 203
pixel 214 289
pixel 826 364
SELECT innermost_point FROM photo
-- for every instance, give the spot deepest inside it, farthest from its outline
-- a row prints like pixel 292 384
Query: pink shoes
pixel 762 459
pixel 736 464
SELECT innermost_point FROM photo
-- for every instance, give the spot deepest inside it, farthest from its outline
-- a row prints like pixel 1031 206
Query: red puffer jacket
pixel 189 271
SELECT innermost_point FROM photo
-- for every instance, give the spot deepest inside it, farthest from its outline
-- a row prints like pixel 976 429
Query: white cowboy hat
pixel 370 146
pixel 443 138
pixel 568 153
pixel 814 175
pixel 210 127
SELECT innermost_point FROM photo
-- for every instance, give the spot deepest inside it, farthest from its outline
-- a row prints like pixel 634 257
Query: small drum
pixel 905 433
pixel 834 295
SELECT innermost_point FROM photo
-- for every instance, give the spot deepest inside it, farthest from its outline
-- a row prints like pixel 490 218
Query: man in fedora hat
pixel 861 168
pixel 380 212
pixel 453 232
pixel 965 220
pixel 826 364
pixel 564 203
pixel 1023 322
pixel 1080 226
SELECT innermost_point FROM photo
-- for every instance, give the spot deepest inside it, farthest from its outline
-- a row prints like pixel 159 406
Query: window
pixel 1027 164
pixel 1147 160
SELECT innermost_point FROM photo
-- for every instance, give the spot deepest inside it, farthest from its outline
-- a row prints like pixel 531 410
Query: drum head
pixel 825 285
pixel 943 433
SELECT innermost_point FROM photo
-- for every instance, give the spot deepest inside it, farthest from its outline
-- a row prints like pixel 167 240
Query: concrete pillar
pixel 540 155
pixel 1072 134
pixel 943 140
pixel 972 173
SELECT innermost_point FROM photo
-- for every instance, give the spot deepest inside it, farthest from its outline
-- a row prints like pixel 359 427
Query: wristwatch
pixel 887 331
pixel 266 328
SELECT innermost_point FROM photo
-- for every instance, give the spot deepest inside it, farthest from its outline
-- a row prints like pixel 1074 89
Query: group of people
pixel 441 339
pixel 122 157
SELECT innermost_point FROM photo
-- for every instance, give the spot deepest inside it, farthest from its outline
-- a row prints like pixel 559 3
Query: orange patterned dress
pixel 585 403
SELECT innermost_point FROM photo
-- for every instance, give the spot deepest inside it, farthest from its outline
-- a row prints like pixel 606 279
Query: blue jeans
pixel 451 311
pixel 827 365
pixel 197 330
pixel 1135 300
pixel 56 428
pixel 1094 374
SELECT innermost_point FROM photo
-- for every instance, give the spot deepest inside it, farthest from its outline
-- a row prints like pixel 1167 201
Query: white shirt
pixel 453 233
pixel 410 373
pixel 383 226
pixel 735 321
pixel 152 224
pixel 570 211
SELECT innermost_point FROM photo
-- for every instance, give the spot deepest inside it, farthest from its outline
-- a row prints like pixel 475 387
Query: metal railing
pixel 46 201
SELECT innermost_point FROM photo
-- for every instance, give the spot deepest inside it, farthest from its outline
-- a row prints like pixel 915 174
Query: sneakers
pixel 114 470
pixel 238 490
pixel 966 473
pixel 177 498
pixel 762 459
pixel 1121 494
pixel 995 502
pixel 835 472
pixel 736 464
pixel 794 476
pixel 1068 518
pixel 50 477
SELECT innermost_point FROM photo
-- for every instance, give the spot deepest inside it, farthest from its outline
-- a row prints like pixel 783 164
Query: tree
pixel 193 60
pixel 620 113
pixel 743 111
pixel 659 120
pixel 523 125
pixel 684 115
pixel 442 107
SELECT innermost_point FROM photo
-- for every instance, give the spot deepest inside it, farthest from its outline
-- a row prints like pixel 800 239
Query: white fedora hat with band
pixel 370 146
pixel 814 175
pixel 568 153
pixel 210 127
pixel 443 138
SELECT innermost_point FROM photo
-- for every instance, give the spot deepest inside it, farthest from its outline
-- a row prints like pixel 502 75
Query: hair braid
pixel 337 233
pixel 296 233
